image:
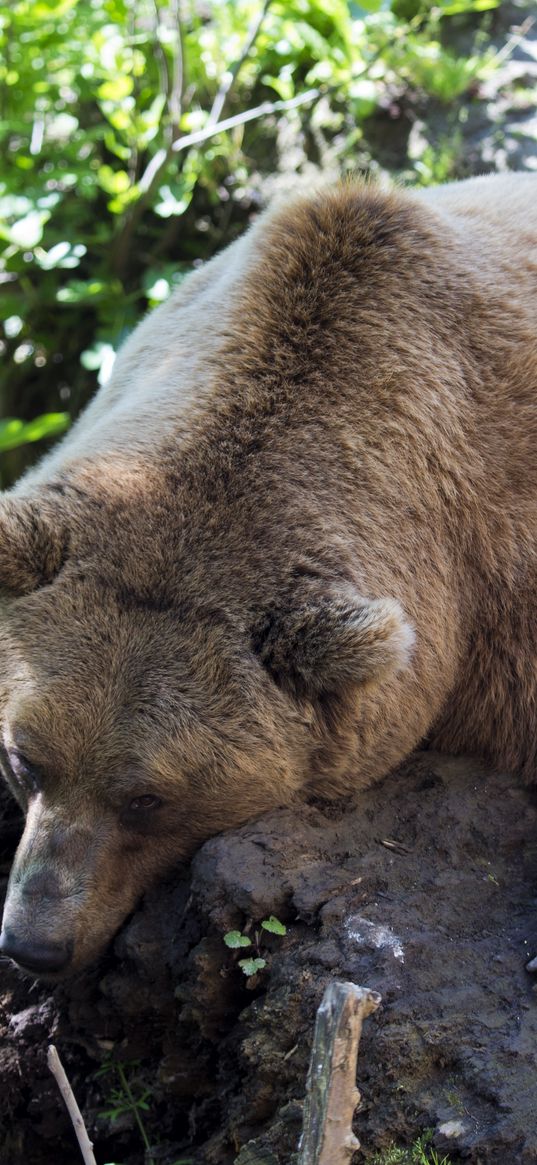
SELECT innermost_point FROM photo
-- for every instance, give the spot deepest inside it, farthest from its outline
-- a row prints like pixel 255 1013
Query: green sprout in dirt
pixel 127 1096
pixel 235 939
pixel 420 1153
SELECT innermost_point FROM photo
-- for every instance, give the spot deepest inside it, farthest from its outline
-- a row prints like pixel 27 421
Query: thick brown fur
pixel 322 552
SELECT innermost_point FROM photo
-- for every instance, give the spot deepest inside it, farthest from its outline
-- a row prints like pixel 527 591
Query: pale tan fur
pixel 295 536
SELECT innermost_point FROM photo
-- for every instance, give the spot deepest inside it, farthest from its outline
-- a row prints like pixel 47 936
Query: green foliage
pixel 126 1095
pixel 420 1153
pixel 252 966
pixel 235 939
pixel 114 177
pixel 14 433
pixel 273 925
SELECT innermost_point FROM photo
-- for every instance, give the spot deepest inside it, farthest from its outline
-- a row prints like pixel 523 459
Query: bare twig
pixel 161 58
pixel 175 102
pixel 232 72
pixel 213 124
pixel 58 1071
pixel 514 40
pixel 267 107
pixel 152 171
pixel 331 1093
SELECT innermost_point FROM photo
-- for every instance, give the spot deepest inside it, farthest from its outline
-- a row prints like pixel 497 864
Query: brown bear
pixel 293 537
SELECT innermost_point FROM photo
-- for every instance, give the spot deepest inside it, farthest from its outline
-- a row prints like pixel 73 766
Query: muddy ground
pixel 425 890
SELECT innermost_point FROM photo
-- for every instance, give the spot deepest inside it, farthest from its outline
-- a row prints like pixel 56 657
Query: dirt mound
pixel 423 890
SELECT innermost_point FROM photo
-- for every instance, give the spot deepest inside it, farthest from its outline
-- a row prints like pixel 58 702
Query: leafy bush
pixel 115 176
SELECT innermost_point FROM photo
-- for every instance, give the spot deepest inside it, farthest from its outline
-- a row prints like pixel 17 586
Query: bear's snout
pixel 39 957
pixel 37 924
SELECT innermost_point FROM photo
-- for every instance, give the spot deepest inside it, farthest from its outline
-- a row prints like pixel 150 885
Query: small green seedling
pixel 252 966
pixel 235 939
pixel 127 1096
pixel 274 925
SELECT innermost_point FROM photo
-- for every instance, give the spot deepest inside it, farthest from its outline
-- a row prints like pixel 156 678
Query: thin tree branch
pixel 267 108
pixel 514 41
pixel 232 72
pixel 160 159
pixel 156 164
pixel 58 1071
pixel 258 111
pixel 162 60
pixel 175 103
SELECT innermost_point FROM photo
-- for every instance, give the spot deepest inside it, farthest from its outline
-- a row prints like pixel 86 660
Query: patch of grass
pixel 420 1153
pixel 128 1094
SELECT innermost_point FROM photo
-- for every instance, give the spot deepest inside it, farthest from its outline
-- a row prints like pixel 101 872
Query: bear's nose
pixel 41 958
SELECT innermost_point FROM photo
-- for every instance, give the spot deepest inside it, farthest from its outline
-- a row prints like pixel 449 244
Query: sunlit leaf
pixel 61 255
pixel 453 7
pixel 61 127
pixel 113 181
pixel 159 291
pixel 12 326
pixel 14 433
pixel 169 204
pixel 81 290
pixel 116 90
pixel 101 359
pixel 28 230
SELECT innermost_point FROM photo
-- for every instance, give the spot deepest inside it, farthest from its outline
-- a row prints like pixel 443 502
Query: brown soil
pixel 423 890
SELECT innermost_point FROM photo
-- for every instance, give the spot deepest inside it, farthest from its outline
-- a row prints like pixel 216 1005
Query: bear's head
pixel 135 721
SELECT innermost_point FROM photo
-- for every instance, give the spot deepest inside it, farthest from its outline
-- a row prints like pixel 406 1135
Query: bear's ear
pixel 32 549
pixel 334 640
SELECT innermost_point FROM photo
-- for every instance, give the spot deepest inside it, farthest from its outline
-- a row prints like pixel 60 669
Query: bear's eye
pixel 146 801
pixel 23 769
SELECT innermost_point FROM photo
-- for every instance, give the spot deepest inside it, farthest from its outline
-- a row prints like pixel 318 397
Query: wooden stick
pixel 331 1092
pixel 58 1071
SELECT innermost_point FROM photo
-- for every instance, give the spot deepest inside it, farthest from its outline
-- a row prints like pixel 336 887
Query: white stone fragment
pixel 366 933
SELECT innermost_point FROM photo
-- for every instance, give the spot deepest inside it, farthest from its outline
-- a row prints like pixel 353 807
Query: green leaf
pixel 61 255
pixel 14 433
pixel 11 434
pixel 113 181
pixel 252 966
pixel 116 90
pixel 235 939
pixel 169 204
pixel 274 925
pixel 94 358
pixel 82 290
pixel 453 7
pixel 27 231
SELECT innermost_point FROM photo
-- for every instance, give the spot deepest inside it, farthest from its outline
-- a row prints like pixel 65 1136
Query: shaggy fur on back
pixel 295 536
